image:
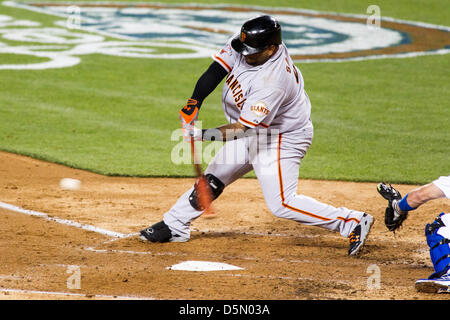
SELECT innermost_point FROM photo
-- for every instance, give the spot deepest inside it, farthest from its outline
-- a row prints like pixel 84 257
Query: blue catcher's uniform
pixel 438 239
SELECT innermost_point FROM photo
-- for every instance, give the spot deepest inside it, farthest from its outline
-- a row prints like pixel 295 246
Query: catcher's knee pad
pixel 216 187
pixel 438 239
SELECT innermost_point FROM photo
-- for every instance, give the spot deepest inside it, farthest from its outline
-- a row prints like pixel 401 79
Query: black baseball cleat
pixel 160 232
pixel 359 234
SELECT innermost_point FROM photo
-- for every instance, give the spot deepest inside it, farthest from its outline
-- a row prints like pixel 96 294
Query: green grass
pixel 374 120
pixel 7 58
pixel 431 11
pixel 99 116
pixel 384 119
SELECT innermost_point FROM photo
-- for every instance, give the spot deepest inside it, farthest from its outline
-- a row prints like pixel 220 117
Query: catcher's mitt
pixel 392 216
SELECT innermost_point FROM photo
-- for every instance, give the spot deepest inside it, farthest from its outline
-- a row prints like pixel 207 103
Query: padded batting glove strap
pixel 189 113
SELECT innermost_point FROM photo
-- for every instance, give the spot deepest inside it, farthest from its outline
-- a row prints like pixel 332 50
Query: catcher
pixel 437 233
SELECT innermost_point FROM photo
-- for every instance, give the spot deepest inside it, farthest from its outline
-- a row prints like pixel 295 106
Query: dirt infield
pixel 281 259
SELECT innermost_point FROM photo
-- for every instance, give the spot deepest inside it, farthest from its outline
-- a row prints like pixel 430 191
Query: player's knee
pixel 276 206
pixel 216 187
pixel 278 211
pixel 438 239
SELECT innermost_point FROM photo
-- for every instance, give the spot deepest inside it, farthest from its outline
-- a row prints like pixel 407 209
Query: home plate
pixel 203 266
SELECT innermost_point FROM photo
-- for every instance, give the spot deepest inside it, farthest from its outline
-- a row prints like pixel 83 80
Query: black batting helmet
pixel 257 34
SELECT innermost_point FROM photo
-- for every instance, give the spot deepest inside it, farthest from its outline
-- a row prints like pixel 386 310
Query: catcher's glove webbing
pixel 392 216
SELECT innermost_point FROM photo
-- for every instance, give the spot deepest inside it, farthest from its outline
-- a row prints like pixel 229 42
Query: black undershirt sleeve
pixel 208 82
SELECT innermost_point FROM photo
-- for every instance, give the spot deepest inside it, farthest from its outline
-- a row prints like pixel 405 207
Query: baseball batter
pixel 269 131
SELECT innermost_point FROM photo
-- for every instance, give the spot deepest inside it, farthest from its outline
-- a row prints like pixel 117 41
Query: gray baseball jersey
pixel 269 95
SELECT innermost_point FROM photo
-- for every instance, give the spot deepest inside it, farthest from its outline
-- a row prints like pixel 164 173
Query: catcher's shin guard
pixel 438 239
pixel 216 187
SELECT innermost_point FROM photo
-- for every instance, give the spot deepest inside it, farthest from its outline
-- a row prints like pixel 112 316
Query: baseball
pixel 70 184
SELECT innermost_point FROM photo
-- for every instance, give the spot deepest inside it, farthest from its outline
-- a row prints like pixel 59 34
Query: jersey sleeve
pixel 443 183
pixel 261 107
pixel 226 56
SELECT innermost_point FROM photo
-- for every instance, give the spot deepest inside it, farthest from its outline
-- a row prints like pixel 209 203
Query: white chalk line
pixel 117 235
pixel 71 223
pixel 71 294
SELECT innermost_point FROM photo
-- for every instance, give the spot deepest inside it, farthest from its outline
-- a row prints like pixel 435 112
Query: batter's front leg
pixel 229 164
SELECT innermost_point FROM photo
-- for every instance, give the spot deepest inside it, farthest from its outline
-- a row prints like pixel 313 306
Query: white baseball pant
pixel 276 162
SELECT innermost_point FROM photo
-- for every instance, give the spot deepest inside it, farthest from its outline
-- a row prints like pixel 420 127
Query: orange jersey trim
pixel 223 63
pixel 253 124
pixel 248 122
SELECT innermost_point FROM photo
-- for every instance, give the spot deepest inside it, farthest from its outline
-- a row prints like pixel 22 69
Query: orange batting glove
pixel 189 113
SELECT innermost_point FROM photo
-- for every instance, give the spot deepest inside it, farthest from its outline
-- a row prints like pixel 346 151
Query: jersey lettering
pixel 288 69
pixel 236 90
pixel 296 74
pixel 229 78
pixel 234 84
pixel 240 104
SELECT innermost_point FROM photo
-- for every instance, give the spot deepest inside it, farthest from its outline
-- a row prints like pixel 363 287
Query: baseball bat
pixel 204 193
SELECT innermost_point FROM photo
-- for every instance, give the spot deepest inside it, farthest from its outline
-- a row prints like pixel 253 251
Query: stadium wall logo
pixel 154 30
